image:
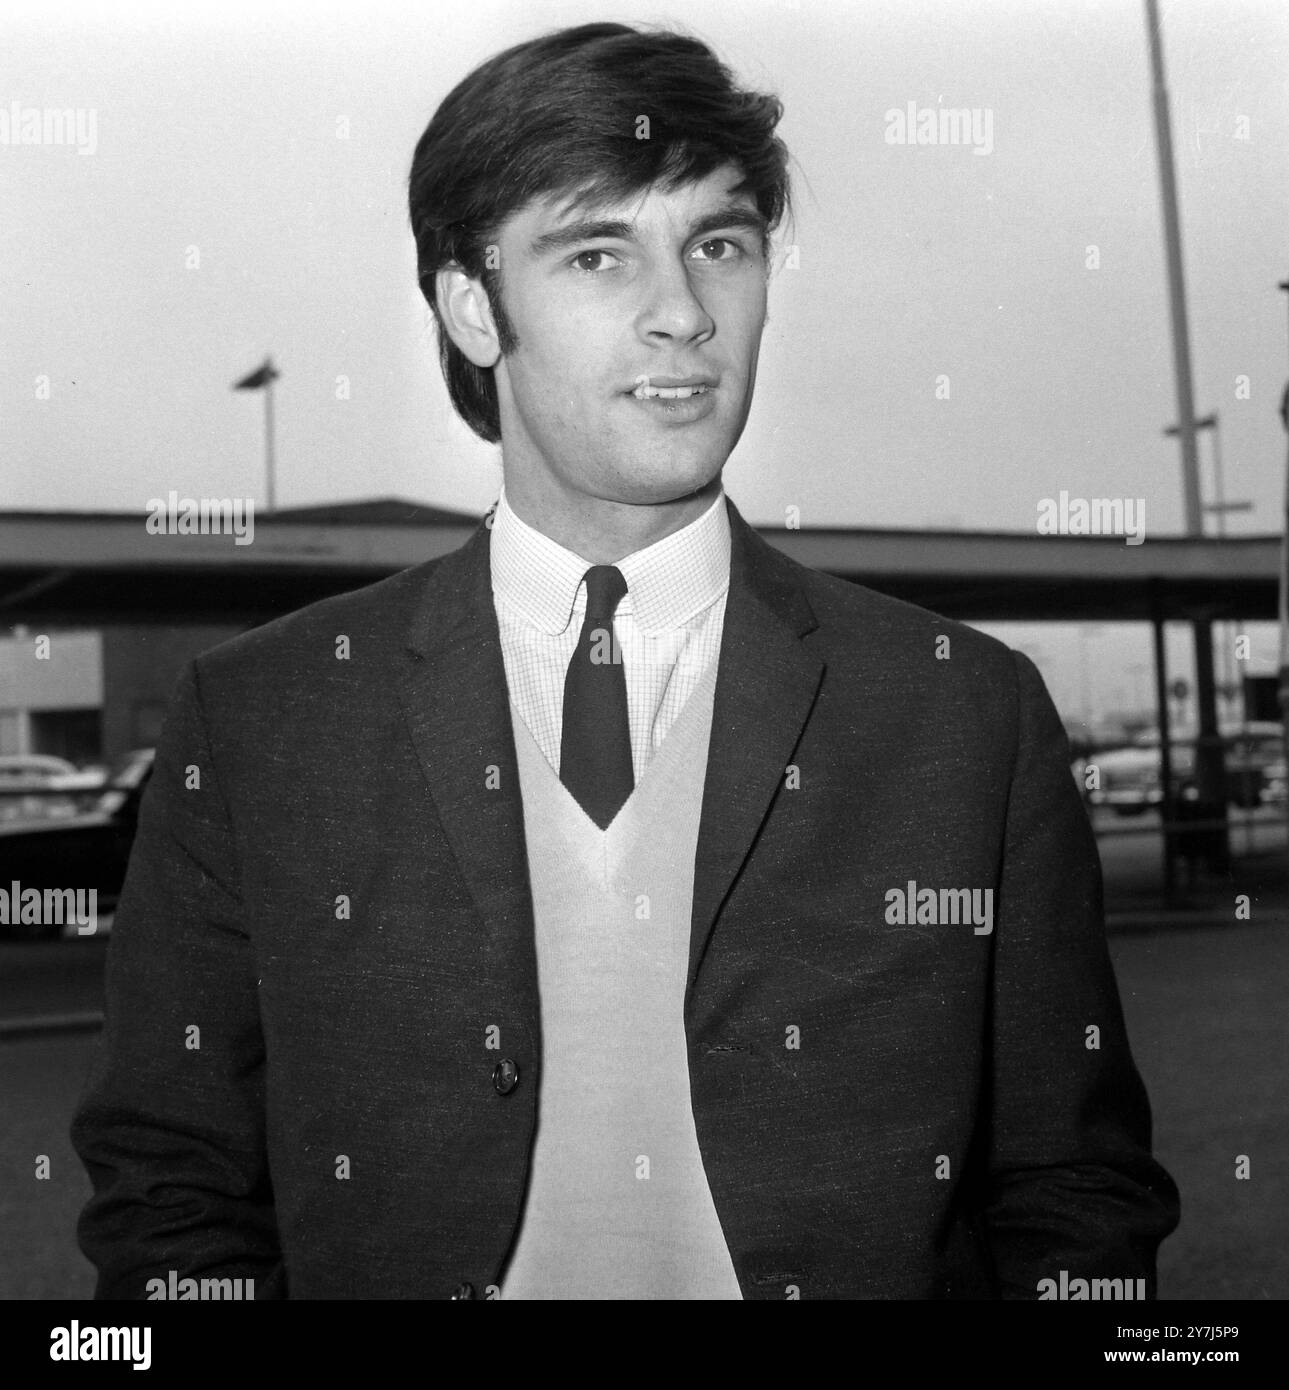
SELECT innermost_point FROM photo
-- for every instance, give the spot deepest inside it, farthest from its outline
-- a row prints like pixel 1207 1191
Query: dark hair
pixel 560 114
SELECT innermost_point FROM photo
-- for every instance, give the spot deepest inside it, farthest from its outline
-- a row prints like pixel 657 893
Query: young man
pixel 623 910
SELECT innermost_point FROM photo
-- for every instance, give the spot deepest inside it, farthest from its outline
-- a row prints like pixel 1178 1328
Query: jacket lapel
pixel 455 698
pixel 765 687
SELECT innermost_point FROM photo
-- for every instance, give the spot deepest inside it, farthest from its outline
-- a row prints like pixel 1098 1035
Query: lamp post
pixel 262 379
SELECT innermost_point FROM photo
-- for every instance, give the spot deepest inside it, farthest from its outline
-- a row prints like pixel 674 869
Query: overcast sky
pixel 246 194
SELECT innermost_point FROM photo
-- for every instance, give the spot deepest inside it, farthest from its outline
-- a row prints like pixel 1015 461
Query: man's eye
pixel 735 250
pixel 577 261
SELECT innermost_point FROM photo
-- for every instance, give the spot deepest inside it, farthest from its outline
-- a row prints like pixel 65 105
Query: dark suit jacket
pixel 944 1127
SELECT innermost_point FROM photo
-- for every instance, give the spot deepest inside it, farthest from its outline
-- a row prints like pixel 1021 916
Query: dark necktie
pixel 595 744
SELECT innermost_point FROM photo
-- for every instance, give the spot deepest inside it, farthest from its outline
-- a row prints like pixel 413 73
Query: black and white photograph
pixel 643 658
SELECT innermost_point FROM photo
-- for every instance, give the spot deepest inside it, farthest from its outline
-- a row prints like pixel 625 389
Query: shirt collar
pixel 668 582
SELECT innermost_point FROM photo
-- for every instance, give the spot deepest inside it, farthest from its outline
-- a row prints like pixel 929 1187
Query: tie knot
pixel 605 585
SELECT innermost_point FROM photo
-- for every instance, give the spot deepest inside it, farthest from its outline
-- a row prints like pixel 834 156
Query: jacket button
pixel 505 1076
pixel 462 1291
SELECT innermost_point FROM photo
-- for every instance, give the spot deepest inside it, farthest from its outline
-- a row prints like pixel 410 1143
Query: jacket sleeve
pixel 1072 1184
pixel 171 1127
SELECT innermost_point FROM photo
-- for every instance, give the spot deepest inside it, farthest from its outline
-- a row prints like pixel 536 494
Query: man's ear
pixel 467 316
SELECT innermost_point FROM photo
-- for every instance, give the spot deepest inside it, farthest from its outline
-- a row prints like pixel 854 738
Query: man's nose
pixel 672 306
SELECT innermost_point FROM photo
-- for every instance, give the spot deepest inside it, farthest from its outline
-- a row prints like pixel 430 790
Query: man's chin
pixel 672 468
pixel 642 489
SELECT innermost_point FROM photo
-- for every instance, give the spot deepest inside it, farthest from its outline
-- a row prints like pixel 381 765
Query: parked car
pixel 21 772
pixel 1254 765
pixel 89 850
pixel 1129 776
pixel 29 781
pixel 1275 783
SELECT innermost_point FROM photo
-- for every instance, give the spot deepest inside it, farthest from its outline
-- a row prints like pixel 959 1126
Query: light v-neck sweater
pixel 618 1204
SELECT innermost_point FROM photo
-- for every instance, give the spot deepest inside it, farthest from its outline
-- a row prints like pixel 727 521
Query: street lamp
pixel 262 379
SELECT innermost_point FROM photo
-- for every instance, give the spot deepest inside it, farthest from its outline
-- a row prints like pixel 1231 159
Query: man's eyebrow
pixel 734 215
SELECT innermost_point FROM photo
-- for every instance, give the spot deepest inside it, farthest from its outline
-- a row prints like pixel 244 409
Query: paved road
pixel 51 977
pixel 1210 1031
pixel 1204 999
pixel 1209 1028
pixel 40 1080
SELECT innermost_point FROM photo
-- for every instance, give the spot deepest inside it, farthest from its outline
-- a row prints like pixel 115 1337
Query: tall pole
pixel 1176 278
pixel 270 464
pixel 1168 801
pixel 1209 762
pixel 1284 586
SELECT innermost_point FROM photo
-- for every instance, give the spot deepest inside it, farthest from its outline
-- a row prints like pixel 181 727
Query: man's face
pixel 670 287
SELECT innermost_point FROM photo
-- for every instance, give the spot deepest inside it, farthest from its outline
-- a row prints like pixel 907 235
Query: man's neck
pixel 604 532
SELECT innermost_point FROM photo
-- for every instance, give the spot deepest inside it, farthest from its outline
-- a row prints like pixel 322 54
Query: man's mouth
pixel 669 393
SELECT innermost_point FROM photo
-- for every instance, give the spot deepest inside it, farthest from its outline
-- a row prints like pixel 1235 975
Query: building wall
pixel 51 685
pixel 92 695
pixel 140 668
